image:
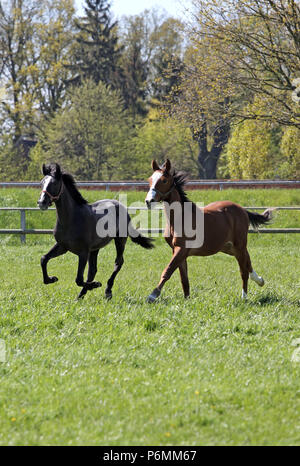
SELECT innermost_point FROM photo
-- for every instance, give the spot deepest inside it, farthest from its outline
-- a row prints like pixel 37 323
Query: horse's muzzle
pixel 43 205
pixel 148 203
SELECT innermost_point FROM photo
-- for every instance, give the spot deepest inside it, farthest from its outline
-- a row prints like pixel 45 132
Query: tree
pixel 151 59
pixel 18 20
pixel 255 51
pixel 161 139
pixel 252 151
pixel 97 53
pixel 240 52
pixel 290 149
pixel 54 40
pixel 90 136
pixel 133 64
pixel 193 101
pixel 166 64
pixel 34 48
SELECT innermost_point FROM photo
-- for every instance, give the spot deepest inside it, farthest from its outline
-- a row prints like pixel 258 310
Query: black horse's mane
pixel 180 180
pixel 72 188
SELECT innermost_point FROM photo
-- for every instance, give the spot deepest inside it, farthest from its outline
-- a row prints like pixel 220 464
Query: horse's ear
pixel 167 165
pixel 155 165
pixel 56 171
pixel 46 169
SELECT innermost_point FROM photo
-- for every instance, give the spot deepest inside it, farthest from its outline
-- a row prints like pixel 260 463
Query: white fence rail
pixel 141 185
pixel 23 230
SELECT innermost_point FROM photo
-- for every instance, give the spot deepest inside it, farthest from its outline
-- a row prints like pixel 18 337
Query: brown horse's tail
pixel 259 219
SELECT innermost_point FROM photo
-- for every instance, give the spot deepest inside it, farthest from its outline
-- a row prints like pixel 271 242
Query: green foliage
pixel 251 152
pixel 257 149
pixel 37 158
pixel 97 51
pixel 90 136
pixel 244 50
pixel 34 51
pixel 12 166
pixel 151 62
pixel 161 139
pixel 134 65
pixel 290 149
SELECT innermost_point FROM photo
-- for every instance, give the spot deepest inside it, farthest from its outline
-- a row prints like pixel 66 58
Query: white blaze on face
pixel 152 192
pixel 46 183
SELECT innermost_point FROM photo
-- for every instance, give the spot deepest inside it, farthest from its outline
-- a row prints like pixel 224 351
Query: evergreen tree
pixel 97 51
pixel 134 66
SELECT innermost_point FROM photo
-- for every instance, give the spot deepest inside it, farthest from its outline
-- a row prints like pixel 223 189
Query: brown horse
pixel 224 228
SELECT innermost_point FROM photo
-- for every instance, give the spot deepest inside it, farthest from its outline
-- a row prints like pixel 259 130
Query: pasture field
pixel 211 370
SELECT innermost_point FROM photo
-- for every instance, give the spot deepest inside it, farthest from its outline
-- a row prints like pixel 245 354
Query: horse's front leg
pixel 56 251
pixel 179 255
pixel 83 258
pixel 90 284
pixel 184 278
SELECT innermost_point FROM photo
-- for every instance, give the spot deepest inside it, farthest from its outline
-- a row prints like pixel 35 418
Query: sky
pixel 133 7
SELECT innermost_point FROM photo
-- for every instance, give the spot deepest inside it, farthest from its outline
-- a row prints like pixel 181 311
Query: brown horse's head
pixel 161 183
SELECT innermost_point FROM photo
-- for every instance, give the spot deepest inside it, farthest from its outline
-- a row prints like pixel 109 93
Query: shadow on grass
pixel 269 299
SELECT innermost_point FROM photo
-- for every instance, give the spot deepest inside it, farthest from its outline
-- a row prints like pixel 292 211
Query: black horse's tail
pixel 137 238
pixel 134 234
pixel 260 219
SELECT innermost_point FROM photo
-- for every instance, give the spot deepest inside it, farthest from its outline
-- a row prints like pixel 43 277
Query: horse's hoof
pixel 51 280
pixel 261 281
pixel 108 294
pixel 97 284
pixel 153 296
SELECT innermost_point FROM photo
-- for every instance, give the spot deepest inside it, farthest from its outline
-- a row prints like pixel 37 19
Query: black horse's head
pixel 52 185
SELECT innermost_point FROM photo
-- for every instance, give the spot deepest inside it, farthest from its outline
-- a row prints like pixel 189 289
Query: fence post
pixel 23 225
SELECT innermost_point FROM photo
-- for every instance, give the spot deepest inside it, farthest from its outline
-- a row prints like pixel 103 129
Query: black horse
pixel 77 228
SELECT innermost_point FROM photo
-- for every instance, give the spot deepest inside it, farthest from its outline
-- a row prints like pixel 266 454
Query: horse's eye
pixel 164 181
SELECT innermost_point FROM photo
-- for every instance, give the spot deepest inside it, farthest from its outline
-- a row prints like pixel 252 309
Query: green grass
pixel 211 370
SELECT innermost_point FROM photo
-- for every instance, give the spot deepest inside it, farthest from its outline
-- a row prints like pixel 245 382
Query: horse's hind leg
pixel 56 251
pixel 243 259
pixel 253 275
pixel 120 246
pixel 246 269
pixel 91 274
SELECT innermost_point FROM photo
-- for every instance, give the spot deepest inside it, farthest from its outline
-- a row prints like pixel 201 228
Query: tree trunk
pixel 208 159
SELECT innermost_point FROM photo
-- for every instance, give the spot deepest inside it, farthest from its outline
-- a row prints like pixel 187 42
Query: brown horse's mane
pixel 70 184
pixel 180 180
